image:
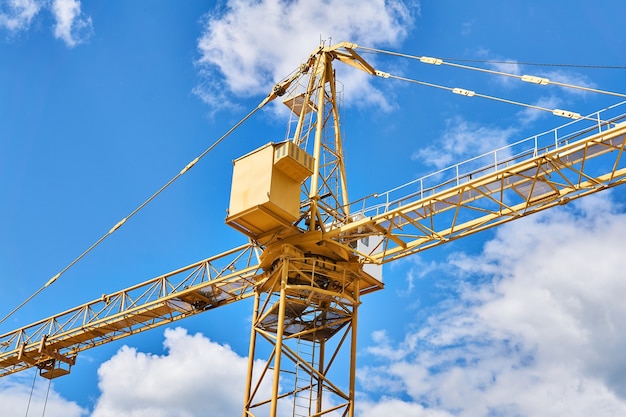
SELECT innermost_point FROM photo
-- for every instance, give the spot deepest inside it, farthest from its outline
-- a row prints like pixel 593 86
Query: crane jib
pixel 310 250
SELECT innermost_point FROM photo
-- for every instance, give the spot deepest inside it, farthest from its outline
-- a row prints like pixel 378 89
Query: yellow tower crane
pixel 312 254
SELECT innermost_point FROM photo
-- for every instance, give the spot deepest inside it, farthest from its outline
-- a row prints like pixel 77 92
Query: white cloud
pixel 384 349
pixel 196 377
pixel 554 97
pixel 515 68
pixel 16 15
pixel 494 62
pixel 397 408
pixel 16 399
pixel 253 44
pixel 463 139
pixel 507 66
pixel 570 78
pixel 529 115
pixel 537 328
pixel 71 26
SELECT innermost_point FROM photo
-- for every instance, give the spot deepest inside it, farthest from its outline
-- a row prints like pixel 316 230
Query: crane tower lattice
pixel 312 254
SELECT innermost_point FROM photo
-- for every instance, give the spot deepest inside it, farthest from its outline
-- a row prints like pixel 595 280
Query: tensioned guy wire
pixel 280 87
pixel 527 78
pixel 45 404
pixel 278 90
pixel 141 206
pixel 469 93
pixel 32 390
pixel 536 64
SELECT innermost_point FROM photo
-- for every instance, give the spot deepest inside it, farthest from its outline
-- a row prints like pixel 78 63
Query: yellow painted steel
pixel 55 341
pixel 310 302
pixel 265 192
pixel 504 191
pixel 305 268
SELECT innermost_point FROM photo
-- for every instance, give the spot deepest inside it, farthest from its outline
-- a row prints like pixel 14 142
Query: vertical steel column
pixel 338 145
pixel 354 322
pixel 323 67
pixel 251 353
pixel 279 336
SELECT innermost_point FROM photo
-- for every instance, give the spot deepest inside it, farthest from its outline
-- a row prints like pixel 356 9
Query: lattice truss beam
pixel 331 203
pixel 315 103
pixel 525 183
pixel 52 344
pixel 304 318
pixel 533 180
pixel 518 181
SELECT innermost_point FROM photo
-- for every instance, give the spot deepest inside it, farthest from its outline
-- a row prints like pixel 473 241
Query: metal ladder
pixel 305 385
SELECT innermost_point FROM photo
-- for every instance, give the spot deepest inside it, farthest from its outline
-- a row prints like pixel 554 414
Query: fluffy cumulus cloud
pixel 397 408
pixel 71 25
pixel 19 396
pixel 196 377
pixel 464 139
pixel 16 15
pixel 536 328
pixel 533 325
pixel 529 115
pixel 565 85
pixel 252 44
pixel 572 85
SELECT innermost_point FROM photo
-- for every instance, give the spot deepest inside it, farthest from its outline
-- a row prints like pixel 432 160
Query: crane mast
pixel 306 303
pixel 306 265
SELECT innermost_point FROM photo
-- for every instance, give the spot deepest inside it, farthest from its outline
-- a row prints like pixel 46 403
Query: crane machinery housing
pixel 312 253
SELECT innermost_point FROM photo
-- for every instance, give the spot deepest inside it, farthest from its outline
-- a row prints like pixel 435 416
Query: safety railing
pixel 490 162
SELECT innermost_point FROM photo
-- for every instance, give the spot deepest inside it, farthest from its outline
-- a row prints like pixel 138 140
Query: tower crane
pixel 312 253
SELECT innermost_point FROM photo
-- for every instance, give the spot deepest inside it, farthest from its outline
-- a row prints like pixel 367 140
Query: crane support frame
pixel 306 312
pixel 520 185
pixel 204 285
pixel 307 276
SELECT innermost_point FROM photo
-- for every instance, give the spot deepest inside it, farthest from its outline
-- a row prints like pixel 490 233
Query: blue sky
pixel 103 102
